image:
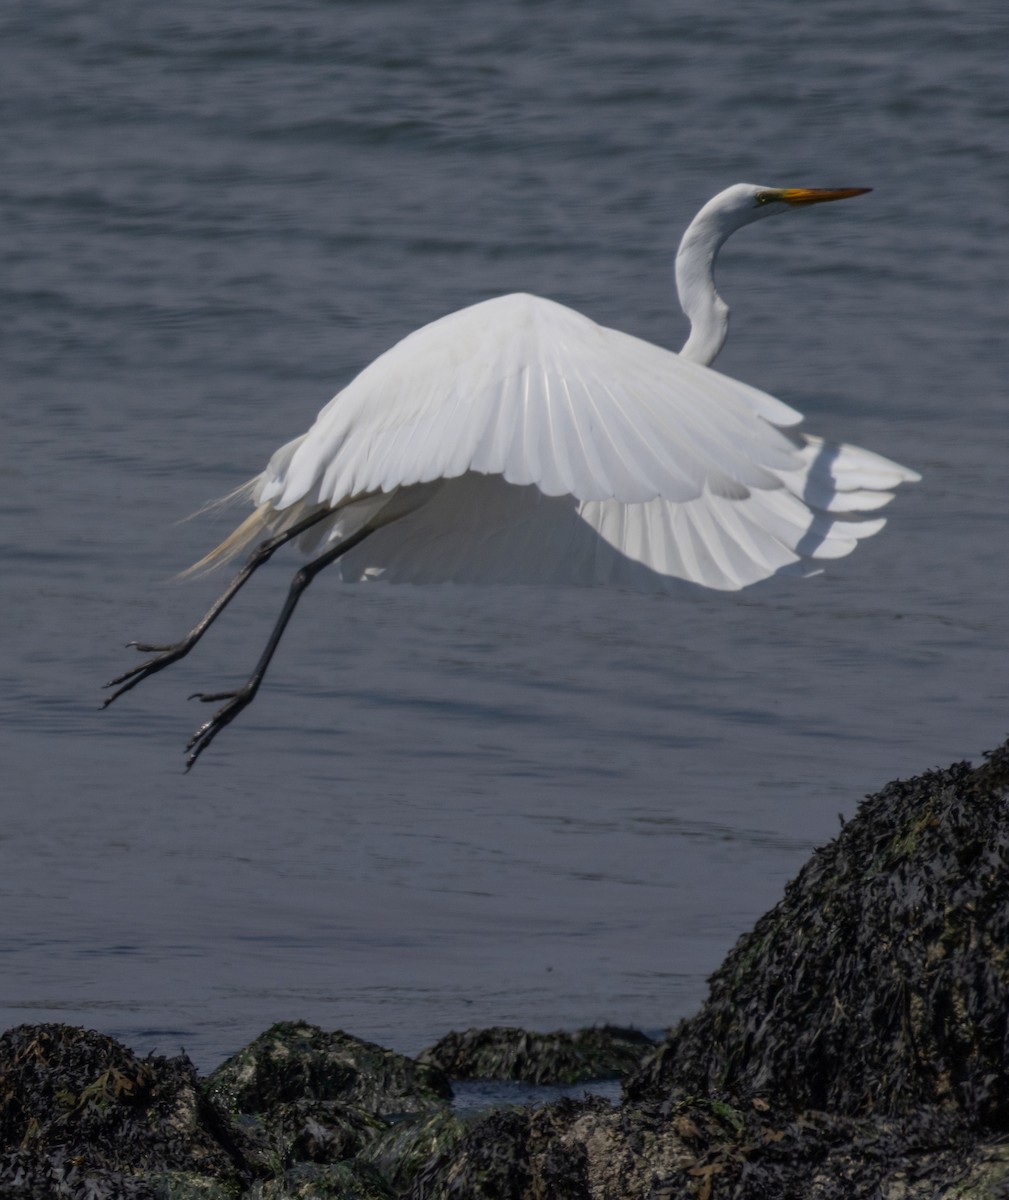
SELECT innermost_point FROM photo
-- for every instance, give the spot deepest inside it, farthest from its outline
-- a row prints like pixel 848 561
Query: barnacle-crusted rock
pixel 880 983
pixel 499 1052
pixel 294 1061
pixel 81 1114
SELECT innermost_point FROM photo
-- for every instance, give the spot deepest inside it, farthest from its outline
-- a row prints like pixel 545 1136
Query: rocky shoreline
pixel 854 1044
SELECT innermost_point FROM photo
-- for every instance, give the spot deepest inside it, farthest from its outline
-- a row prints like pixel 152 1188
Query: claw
pixel 206 733
pixel 130 679
pixel 237 700
pixel 199 733
pixel 125 675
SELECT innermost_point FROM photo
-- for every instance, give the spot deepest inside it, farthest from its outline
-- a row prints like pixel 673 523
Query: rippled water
pixel 460 806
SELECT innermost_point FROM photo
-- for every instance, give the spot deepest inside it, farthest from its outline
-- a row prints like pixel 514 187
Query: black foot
pixel 130 679
pixel 202 738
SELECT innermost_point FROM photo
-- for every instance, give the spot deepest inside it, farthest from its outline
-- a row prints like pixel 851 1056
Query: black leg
pixel 244 695
pixel 169 654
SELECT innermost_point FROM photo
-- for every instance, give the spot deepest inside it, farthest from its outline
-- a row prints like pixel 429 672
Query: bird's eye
pixel 764 197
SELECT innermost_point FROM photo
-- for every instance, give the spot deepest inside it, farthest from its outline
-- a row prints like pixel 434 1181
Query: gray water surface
pixel 454 806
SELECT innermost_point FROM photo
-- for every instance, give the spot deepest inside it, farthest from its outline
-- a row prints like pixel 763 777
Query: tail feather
pixel 252 529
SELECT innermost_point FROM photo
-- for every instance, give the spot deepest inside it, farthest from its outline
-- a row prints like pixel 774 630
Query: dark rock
pixel 294 1061
pixel 706 1150
pixel 80 1114
pixel 513 1153
pixel 539 1058
pixel 323 1131
pixel 880 983
pixel 408 1145
pixel 313 1181
pixel 853 1045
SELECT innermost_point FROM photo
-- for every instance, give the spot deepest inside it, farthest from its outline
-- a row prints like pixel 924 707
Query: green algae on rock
pixel 880 983
pixel 82 1116
pixel 81 1112
pixel 331 1181
pixel 569 1150
pixel 503 1053
pixel 853 1045
pixel 322 1131
pixel 708 1150
pixel 408 1145
pixel 294 1061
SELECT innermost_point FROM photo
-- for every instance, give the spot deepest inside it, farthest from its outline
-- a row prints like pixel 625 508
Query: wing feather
pixel 527 443
pixel 531 390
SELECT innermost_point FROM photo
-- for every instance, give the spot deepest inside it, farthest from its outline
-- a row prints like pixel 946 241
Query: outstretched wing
pixel 630 448
pixel 530 390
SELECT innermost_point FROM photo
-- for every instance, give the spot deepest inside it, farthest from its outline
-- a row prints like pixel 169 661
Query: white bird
pixel 518 441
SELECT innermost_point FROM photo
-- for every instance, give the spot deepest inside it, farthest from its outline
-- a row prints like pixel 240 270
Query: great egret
pixel 518 441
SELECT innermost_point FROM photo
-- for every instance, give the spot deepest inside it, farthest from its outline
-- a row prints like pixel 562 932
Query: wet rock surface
pixel 337 1181
pixel 880 982
pixel 854 1044
pixel 703 1149
pixel 539 1058
pixel 294 1061
pixel 81 1114
pixel 331 1115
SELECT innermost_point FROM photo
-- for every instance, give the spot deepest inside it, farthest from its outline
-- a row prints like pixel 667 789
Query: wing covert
pixel 530 390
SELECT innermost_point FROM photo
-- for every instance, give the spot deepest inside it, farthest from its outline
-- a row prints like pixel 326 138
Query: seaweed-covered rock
pixel 408 1145
pixel 880 983
pixel 539 1058
pixel 314 1181
pixel 513 1154
pixel 294 1061
pixel 323 1131
pixel 80 1114
pixel 854 1045
pixel 573 1150
pixel 706 1150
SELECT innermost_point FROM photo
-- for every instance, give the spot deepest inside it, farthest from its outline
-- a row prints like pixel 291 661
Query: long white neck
pixel 695 284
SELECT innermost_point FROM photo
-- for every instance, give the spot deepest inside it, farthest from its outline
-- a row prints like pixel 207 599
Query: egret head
pixel 721 216
pixel 745 202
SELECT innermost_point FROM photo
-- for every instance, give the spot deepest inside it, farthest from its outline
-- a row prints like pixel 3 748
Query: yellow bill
pixel 818 195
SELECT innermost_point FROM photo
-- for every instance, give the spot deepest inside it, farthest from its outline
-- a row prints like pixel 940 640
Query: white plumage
pixel 519 441
pixel 560 447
